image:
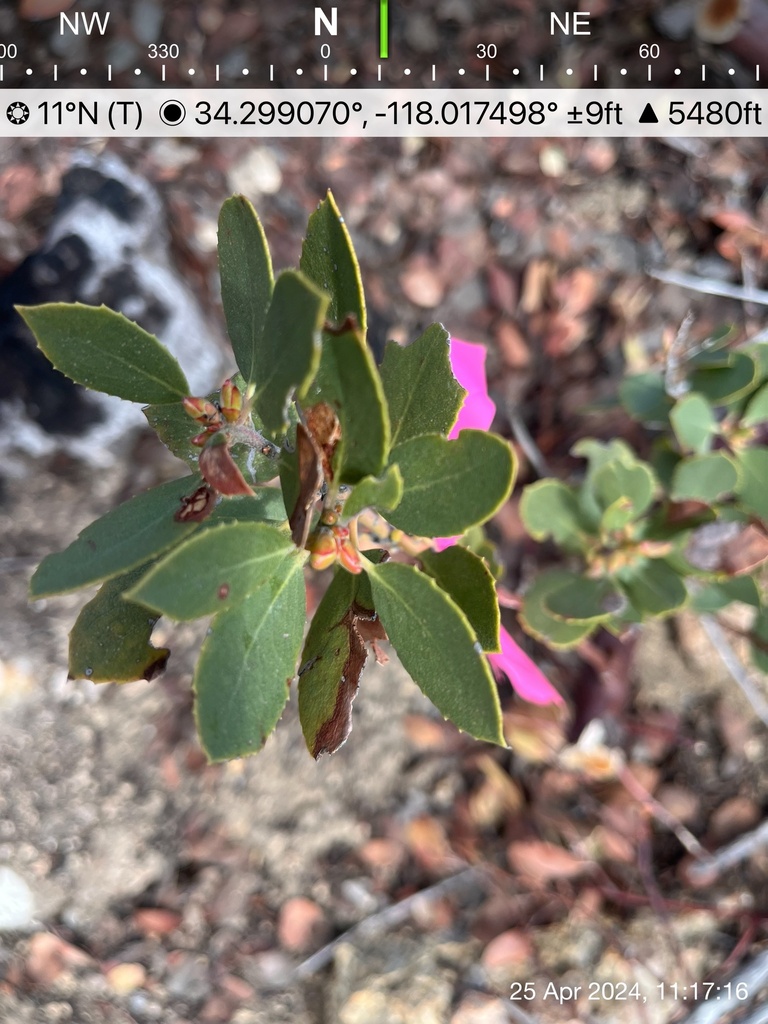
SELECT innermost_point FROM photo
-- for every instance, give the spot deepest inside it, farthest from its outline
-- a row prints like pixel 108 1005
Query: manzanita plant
pixel 369 474
pixel 641 539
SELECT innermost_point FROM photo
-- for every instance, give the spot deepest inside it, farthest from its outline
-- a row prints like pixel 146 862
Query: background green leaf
pixel 246 280
pixel 584 599
pixel 694 423
pixel 129 535
pixel 449 486
pixel 109 642
pixel 288 354
pixel 724 385
pixel 214 570
pixel 422 393
pixel 645 398
pixel 536 618
pixel 707 478
pixel 328 258
pixel 653 587
pixel 247 661
pixel 437 647
pixel 105 351
pixel 753 484
pixel 468 581
pixel 550 508
pixel 757 409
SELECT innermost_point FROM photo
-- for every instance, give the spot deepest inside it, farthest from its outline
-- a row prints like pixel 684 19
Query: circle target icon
pixel 172 113
pixel 18 113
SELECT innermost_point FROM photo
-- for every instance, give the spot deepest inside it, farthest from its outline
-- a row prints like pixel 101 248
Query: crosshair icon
pixel 18 113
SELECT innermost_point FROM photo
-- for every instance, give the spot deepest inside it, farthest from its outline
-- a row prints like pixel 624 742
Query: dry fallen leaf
pixel 541 862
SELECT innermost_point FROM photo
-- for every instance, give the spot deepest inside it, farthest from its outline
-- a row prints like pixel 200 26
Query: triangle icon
pixel 648 115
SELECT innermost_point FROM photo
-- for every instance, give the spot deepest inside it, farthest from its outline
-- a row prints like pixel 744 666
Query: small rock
pixel 299 923
pixel 17 904
pixel 257 173
pixel 478 1008
pixel 124 978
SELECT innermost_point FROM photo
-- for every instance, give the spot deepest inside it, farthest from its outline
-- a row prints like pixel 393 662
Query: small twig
pixel 386 918
pixel 658 811
pixel 754 977
pixel 528 445
pixel 707 286
pixel 719 641
pixel 713 864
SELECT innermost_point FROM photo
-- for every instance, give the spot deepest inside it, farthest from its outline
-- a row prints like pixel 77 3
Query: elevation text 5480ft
pixel 716 112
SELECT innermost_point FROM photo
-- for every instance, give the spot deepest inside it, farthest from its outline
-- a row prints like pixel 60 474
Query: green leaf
pixel 724 385
pixel 247 661
pixel 130 535
pixel 757 409
pixel 422 393
pixel 332 661
pixel 105 351
pixel 753 486
pixel 382 493
pixel 585 600
pixel 645 398
pixel 758 350
pixel 550 508
pixel 288 355
pixel 468 581
pixel 328 258
pixel 349 382
pixel 437 647
pixel 653 587
pixel 694 423
pixel 627 481
pixel 449 486
pixel 266 506
pixel 215 570
pixel 707 478
pixel 719 593
pixel 246 280
pixel 109 642
pixel 537 620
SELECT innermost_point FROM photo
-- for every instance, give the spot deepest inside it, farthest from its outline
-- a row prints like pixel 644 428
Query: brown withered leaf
pixel 220 470
pixel 745 552
pixel 323 425
pixel 357 626
pixel 197 506
pixel 310 479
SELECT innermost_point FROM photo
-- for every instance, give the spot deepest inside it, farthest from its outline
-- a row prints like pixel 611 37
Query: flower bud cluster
pixel 216 415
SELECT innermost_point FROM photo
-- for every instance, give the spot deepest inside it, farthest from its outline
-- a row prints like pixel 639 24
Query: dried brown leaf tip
pixel 220 470
pixel 197 506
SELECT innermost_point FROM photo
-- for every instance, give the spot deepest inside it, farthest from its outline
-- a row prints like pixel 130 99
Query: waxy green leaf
pixel 348 381
pixel 246 280
pixel 105 351
pixel 246 665
pixel 266 506
pixel 422 393
pixel 288 354
pixel 130 535
pixel 328 258
pixel 719 593
pixel 708 478
pixel 437 647
pixel 109 642
pixel 449 486
pixel 382 493
pixel 214 570
pixel 468 581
